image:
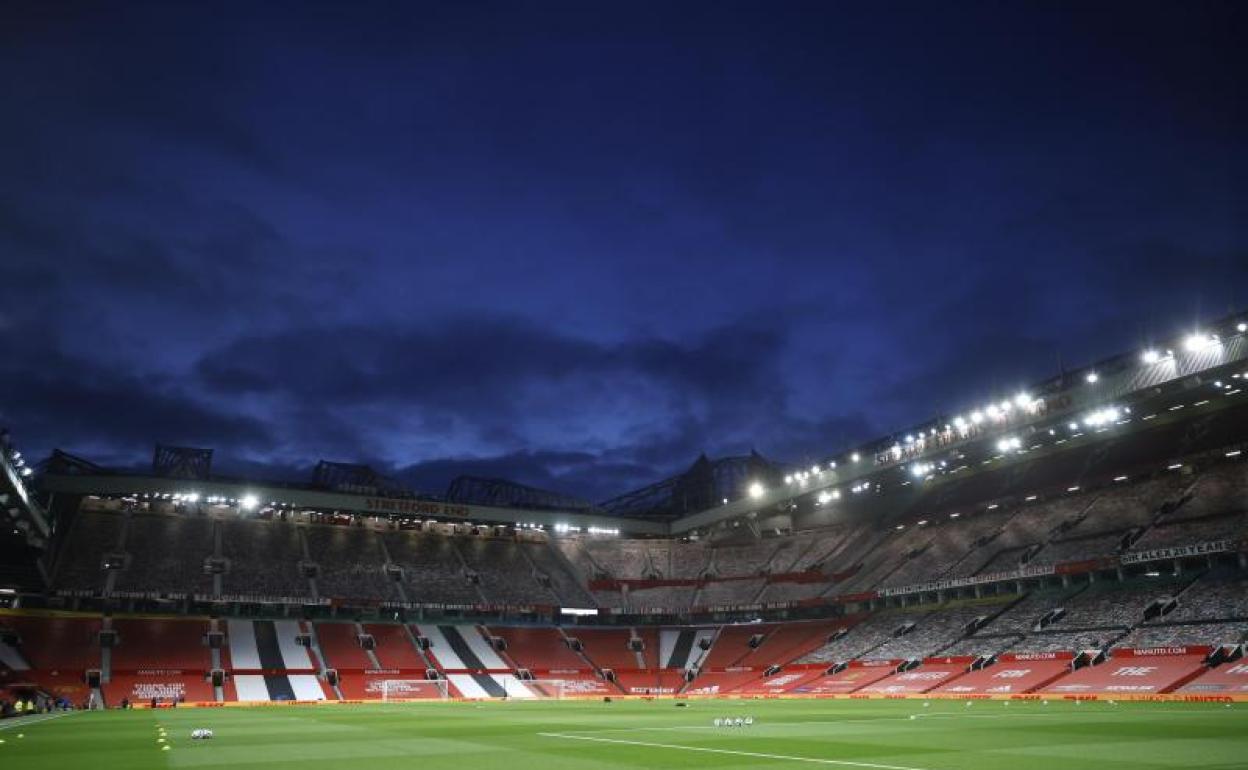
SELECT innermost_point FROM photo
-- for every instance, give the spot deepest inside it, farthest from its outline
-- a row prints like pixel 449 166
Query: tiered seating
pixel 1022 617
pixel 567 587
pixel 721 682
pixel 607 647
pixel 432 571
pixel 1121 509
pixel 670 598
pixel 952 542
pixel 1219 491
pixel 166 554
pixel 506 575
pixel 733 644
pixel 340 645
pixel 538 649
pixel 1188 634
pixel 925 678
pixel 735 560
pixel 1069 641
pixel 1212 599
pixel 728 592
pixel 683 560
pixel 92 535
pixel 931 634
pixel 791 592
pixel 264 559
pixel 160 644
pixel 857 675
pixel 1128 674
pixel 1110 605
pixel 56 643
pixel 862 639
pixel 350 562
pixel 621 559
pixel 1227 679
pixel 787 642
pixel 1167 535
pixel 1079 549
pixel 1012 674
pixel 394 648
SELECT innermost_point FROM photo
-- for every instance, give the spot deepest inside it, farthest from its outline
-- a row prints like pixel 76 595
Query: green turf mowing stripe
pixel 755 754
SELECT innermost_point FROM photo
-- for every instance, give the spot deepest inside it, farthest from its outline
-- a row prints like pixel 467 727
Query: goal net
pixel 398 690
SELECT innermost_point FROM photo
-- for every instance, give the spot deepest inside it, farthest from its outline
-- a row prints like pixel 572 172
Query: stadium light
pixel 854 457
pixel 977 417
pixel 1023 400
pixel 756 490
pixel 788 479
pixel 191 497
pixel 832 465
pixel 1198 342
pixel 248 502
pixel 26 471
pixel 1092 377
pixel 1151 356
pixel 825 497
pixel 1241 327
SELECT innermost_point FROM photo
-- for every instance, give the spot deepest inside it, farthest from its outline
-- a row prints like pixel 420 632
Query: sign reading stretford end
pixel 414 507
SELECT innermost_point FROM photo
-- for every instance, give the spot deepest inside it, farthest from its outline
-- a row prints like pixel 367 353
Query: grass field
pixel 947 735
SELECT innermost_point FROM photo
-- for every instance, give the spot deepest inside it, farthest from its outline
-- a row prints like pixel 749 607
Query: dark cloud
pixel 577 245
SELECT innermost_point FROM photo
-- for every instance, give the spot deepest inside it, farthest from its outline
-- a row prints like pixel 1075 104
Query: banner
pixel 1178 552
pixel 994 577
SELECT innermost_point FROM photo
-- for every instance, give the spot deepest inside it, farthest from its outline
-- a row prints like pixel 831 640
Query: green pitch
pixel 946 735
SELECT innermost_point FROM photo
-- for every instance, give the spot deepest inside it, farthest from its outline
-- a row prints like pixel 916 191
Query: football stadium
pixel 1056 577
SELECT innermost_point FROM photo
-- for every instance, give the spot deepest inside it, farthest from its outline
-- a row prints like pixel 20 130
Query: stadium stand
pixel 432 568
pixel 92 536
pixel 264 558
pixel 166 553
pixel 350 563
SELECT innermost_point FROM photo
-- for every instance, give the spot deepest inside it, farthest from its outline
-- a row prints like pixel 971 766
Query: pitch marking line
pixel 756 754
pixel 34 721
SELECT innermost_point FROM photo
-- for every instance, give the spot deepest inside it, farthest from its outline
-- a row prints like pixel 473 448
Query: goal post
pixel 399 690
pixel 542 689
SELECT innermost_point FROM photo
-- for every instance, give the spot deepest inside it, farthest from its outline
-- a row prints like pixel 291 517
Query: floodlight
pixel 248 502
pixel 854 457
pixel 756 490
pixel 1151 356
pixel 1022 400
pixel 1092 377
pixel 1241 327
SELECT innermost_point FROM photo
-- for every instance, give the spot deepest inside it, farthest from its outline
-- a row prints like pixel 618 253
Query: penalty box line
pixel 732 752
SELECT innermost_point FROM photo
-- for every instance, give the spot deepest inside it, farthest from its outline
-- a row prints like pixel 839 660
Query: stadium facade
pixel 1084 537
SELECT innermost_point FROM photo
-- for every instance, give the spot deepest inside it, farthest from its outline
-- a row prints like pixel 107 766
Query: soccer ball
pixel 201 734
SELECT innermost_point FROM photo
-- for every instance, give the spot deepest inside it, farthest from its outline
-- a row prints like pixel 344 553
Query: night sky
pixel 577 244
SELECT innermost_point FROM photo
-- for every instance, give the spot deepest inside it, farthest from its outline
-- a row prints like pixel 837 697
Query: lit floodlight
pixel 1197 342
pixel 909 439
pixel 191 497
pixel 832 465
pixel 977 417
pixel 825 497
pixel 26 471
pixel 1241 327
pixel 788 479
pixel 1150 356
pixel 1073 426
pixel 992 411
pixel 854 457
pixel 836 494
pixel 1092 377
pixel 756 490
pixel 814 469
pixel 959 423
pixel 248 502
pixel 1023 400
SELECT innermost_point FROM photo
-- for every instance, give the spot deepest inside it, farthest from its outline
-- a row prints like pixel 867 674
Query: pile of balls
pixel 733 722
pixel 201 734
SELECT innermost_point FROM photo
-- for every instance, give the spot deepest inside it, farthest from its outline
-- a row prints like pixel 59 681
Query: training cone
pixel 164 748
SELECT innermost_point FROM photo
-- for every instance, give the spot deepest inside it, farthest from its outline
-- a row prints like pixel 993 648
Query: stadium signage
pixel 414 507
pixel 1178 552
pixel 995 577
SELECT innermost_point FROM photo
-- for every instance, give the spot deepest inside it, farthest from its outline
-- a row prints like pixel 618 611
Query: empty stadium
pixel 1075 551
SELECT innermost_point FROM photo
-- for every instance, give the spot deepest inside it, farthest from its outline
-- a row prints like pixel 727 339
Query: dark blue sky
pixel 576 244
